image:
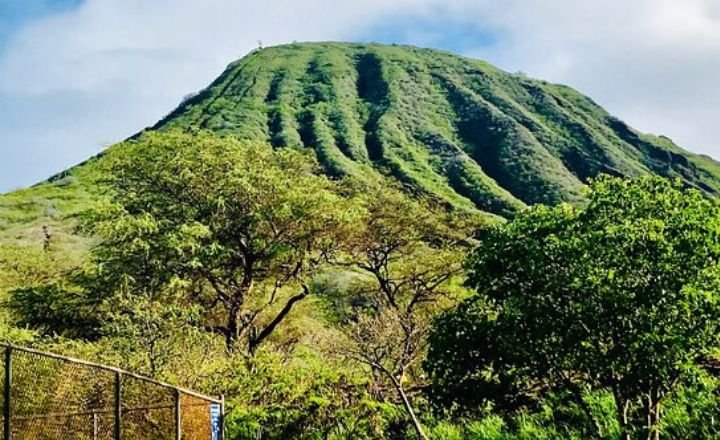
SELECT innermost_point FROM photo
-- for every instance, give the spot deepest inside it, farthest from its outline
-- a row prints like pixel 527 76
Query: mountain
pixel 457 129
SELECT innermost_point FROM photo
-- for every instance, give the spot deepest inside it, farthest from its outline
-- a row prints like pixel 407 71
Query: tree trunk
pixel 233 329
pixel 651 408
pixel 656 420
pixel 622 405
pixel 406 403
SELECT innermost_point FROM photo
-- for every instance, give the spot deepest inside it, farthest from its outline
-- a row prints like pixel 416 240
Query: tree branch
pixel 265 332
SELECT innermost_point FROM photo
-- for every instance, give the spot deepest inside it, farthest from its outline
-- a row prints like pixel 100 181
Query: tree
pixel 619 295
pixel 235 226
pixel 37 288
pixel 407 256
pixel 156 339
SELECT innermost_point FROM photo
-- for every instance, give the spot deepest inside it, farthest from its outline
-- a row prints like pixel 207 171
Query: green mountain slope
pixel 457 129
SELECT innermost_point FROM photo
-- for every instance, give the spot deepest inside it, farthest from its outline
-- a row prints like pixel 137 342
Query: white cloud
pixel 74 81
pixel 652 62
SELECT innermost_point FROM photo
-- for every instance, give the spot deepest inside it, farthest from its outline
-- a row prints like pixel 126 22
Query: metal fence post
pixel 222 417
pixel 118 405
pixel 178 416
pixel 82 406
pixel 96 426
pixel 7 403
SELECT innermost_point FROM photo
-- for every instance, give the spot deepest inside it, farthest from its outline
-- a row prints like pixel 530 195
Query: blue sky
pixel 78 75
pixel 16 13
pixel 443 31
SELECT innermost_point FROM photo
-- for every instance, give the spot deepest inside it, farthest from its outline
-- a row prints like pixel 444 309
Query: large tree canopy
pixel 235 227
pixel 406 256
pixel 621 294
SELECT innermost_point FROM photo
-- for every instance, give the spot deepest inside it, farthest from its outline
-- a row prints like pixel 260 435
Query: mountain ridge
pixel 457 129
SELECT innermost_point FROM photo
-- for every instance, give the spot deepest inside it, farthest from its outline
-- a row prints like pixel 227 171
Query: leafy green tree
pixel 237 227
pixel 622 294
pixel 407 257
pixel 37 291
pixel 306 396
pixel 694 411
pixel 156 338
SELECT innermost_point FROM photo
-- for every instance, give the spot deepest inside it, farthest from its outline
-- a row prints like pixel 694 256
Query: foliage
pixel 158 339
pixel 619 295
pixel 457 129
pixel 419 145
pixel 35 287
pixel 407 258
pixel 694 411
pixel 236 227
pixel 303 398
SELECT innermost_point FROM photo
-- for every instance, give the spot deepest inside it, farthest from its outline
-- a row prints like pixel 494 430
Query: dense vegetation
pixel 457 129
pixel 313 307
pixel 619 297
pixel 319 236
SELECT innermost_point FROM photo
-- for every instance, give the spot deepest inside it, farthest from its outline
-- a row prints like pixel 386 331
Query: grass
pixel 26 215
pixel 456 129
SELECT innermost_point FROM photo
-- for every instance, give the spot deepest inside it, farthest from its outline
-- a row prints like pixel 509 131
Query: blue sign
pixel 216 421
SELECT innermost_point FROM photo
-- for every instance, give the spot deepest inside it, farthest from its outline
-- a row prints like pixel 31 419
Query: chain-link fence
pixel 50 397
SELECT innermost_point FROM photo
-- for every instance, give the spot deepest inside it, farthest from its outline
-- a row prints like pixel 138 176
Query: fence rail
pixel 50 397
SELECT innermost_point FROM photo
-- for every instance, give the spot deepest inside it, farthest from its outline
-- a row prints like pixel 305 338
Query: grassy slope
pixel 52 205
pixel 458 129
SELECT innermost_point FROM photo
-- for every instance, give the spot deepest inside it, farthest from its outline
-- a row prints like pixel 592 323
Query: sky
pixel 79 75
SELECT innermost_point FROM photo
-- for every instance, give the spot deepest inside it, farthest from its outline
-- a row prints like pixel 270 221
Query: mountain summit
pixel 455 128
